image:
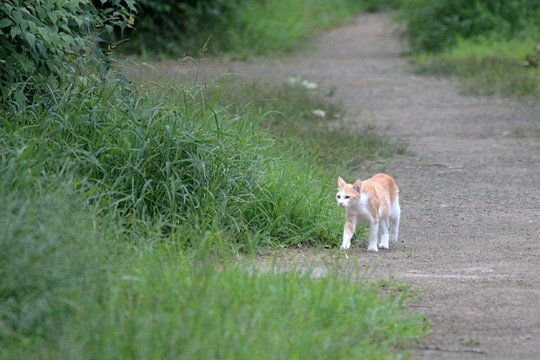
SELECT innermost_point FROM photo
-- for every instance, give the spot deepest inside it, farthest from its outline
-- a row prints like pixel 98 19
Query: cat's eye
pixel 347 196
pixel 339 197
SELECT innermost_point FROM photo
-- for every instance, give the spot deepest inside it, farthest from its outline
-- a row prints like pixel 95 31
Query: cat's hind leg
pixel 395 214
pixel 384 235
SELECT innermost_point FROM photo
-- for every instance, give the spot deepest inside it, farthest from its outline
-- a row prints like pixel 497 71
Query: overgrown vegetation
pixel 489 66
pixel 239 28
pixel 98 262
pixel 121 206
pixel 492 44
pixel 44 43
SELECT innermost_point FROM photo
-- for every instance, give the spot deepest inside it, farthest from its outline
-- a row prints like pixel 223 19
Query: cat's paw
pixel 372 249
pixel 345 246
pixel 384 246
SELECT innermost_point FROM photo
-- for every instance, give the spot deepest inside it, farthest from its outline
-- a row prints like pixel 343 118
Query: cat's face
pixel 348 193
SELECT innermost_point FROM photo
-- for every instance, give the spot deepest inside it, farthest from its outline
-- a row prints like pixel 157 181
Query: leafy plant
pixel 43 41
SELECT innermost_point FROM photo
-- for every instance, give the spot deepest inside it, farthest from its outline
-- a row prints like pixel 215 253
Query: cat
pixel 375 200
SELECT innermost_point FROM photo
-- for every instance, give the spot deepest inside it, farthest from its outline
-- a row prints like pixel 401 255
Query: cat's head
pixel 348 193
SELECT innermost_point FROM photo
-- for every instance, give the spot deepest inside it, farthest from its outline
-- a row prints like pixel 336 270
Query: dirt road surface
pixel 470 190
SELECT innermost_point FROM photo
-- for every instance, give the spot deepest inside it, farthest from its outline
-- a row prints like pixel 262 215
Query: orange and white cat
pixel 374 200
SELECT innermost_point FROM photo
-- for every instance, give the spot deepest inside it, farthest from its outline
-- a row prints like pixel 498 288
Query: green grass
pixel 121 210
pixel 76 285
pixel 488 66
pixel 285 26
pixel 434 26
pixel 52 251
pixel 287 112
pixel 169 309
pixel 179 162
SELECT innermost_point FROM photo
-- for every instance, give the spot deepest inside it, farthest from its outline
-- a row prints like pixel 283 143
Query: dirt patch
pixel 470 189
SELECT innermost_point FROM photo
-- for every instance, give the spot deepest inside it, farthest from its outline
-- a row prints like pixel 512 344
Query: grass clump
pixel 180 162
pixel 488 66
pixel 303 120
pixel 169 308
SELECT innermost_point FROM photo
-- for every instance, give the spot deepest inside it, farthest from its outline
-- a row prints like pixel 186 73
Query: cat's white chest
pixel 361 209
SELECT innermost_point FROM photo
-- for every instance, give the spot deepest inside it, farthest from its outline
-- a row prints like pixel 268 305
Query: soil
pixel 470 189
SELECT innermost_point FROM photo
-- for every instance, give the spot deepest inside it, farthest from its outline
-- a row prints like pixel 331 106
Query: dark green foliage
pixel 437 25
pixel 43 42
pixel 240 28
pixel 177 27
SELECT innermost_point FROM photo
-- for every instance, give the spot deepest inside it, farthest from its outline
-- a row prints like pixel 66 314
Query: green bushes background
pixel 438 25
pixel 491 45
pixel 44 43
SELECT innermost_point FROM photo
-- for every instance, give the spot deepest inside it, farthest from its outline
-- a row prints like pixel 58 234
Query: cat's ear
pixel 357 185
pixel 341 183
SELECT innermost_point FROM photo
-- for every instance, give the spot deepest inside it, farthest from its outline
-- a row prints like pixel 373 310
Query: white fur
pixel 395 214
pixel 359 211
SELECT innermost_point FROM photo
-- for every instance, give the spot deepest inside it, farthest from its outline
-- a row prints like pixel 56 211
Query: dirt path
pixel 470 191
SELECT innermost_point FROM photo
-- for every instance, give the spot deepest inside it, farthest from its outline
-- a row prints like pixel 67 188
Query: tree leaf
pixel 5 22
pixel 31 38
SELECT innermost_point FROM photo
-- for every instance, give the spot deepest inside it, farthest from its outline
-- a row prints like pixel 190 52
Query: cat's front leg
pixel 348 232
pixel 373 232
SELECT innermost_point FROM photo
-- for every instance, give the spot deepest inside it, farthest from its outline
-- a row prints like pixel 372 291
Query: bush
pixel 437 25
pixel 43 41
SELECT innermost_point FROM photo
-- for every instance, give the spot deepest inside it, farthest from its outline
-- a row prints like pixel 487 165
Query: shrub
pixel 42 41
pixel 436 25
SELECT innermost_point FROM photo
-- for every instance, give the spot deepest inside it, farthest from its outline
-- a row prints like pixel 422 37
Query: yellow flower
pixel 131 20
